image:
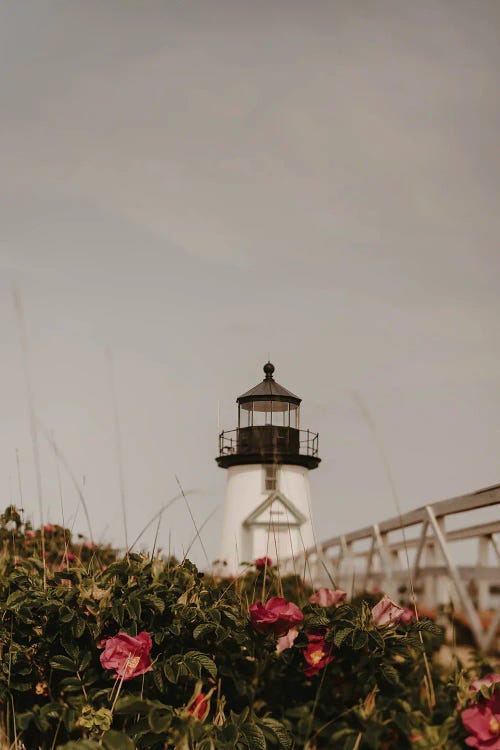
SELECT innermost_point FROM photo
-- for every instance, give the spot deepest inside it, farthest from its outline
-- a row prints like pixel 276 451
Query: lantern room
pixel 268 404
pixel 268 428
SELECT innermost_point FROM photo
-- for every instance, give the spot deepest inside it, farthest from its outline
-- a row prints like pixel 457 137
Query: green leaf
pixel 23 720
pixel 253 736
pixel 389 674
pixel 427 626
pixel 203 629
pixel 117 611
pixel 63 664
pixel 239 719
pixel 15 599
pixel 86 659
pixel 131 608
pixel 317 620
pixel 341 635
pixel 229 734
pixel 172 669
pixel 70 647
pixel 51 710
pixel 158 680
pixel 66 614
pixel 113 740
pixel 130 704
pixel 69 718
pixel 359 639
pixel 412 640
pixel 203 660
pixel 136 606
pixel 159 719
pixel 376 636
pixel 117 567
pixel 78 627
pixel 154 602
pixel 278 731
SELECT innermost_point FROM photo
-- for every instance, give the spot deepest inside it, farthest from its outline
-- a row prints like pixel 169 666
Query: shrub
pixel 198 673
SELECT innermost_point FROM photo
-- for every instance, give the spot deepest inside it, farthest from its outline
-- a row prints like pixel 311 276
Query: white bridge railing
pixel 423 550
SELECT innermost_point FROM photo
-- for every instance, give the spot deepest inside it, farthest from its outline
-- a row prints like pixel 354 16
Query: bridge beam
pixel 363 559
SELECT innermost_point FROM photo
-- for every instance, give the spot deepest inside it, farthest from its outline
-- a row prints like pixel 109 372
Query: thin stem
pixel 14 720
pixel 193 521
pixel 18 305
pixel 57 731
pixel 118 446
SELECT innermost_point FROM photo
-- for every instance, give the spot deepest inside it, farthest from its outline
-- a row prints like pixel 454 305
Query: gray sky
pixel 200 184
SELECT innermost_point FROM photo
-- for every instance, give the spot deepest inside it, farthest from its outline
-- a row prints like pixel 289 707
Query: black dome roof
pixel 269 390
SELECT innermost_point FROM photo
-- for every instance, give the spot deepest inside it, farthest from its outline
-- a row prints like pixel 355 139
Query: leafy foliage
pixel 54 691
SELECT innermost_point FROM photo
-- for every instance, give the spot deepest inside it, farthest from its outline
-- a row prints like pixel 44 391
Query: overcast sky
pixel 198 185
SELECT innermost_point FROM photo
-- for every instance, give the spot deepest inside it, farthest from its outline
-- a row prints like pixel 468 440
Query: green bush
pixel 207 658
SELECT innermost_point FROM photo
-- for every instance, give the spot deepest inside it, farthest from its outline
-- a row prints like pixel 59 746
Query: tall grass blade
pixel 18 306
pixel 118 444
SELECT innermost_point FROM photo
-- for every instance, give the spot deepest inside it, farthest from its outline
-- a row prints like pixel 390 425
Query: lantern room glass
pixel 269 413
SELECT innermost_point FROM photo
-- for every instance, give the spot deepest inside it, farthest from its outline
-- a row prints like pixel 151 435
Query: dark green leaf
pixel 159 719
pixel 203 660
pixel 341 635
pixel 359 639
pixel 253 736
pixel 63 663
pixel 278 731
pixel 113 740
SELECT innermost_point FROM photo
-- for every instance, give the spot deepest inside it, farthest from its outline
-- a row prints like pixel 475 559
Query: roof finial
pixel 269 369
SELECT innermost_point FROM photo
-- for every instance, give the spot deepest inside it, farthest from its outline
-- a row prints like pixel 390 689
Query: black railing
pixel 268 440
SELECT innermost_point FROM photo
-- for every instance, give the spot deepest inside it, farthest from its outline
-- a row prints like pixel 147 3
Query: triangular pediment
pixel 275 510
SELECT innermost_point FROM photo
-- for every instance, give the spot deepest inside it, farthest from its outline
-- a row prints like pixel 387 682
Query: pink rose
pixel 483 721
pixel 387 612
pixel 328 597
pixel 200 707
pixel 408 615
pixel 286 641
pixel 128 656
pixel 29 534
pixel 488 680
pixel 263 562
pixel 49 528
pixel 89 545
pixel 276 616
pixel 317 654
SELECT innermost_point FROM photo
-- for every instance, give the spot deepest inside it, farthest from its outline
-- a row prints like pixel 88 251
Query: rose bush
pixel 145 653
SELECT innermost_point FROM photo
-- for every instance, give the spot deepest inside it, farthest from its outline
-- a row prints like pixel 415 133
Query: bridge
pixel 419 554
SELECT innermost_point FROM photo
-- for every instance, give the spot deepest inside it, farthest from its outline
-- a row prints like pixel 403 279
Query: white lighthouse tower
pixel 267 510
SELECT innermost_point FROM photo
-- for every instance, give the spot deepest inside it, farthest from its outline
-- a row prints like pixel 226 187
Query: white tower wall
pixel 260 522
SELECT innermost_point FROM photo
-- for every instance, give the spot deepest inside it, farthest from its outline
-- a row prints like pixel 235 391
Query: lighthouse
pixel 268 457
